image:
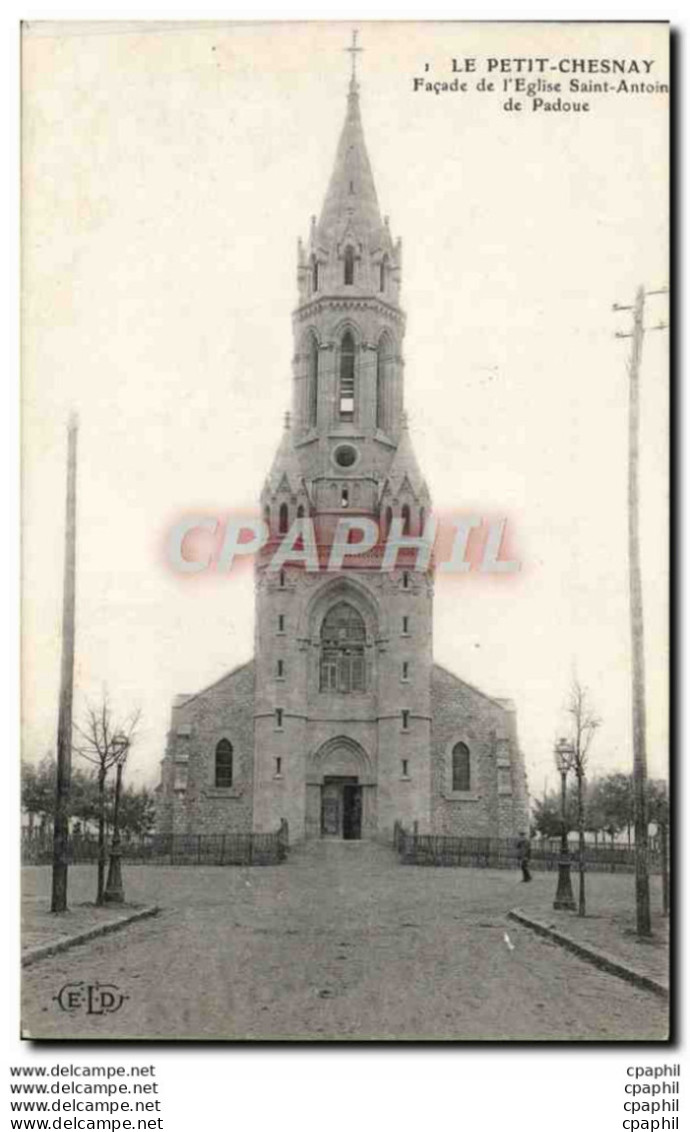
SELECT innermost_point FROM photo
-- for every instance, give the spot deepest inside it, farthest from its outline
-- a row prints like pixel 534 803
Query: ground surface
pixel 341 943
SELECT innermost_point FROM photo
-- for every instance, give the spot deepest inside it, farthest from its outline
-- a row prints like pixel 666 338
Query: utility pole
pixel 64 737
pixel 644 921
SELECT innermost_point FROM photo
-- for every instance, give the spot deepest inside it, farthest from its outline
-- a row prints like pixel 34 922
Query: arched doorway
pixel 341 793
pixel 341 807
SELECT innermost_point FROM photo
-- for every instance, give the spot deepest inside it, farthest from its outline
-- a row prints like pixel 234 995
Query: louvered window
pixel 347 378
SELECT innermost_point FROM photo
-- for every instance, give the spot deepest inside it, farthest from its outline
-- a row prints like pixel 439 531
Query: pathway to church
pixel 340 943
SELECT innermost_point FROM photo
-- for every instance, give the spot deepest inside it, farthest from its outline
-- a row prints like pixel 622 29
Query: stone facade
pixel 343 725
pixel 496 802
pixel 189 801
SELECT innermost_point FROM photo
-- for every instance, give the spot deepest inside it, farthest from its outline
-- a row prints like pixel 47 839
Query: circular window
pixel 345 456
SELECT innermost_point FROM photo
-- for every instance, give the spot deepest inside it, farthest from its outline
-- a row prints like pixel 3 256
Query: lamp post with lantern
pixel 114 890
pixel 563 753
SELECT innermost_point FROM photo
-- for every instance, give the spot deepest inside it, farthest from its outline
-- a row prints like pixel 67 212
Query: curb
pixel 34 954
pixel 597 958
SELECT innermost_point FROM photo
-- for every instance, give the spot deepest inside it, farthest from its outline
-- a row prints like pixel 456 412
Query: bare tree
pixel 584 724
pixel 101 742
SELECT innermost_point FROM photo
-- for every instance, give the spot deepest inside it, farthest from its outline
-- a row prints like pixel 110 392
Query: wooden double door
pixel 341 808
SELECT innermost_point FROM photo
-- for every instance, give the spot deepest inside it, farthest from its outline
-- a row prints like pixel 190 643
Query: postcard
pixel 345 443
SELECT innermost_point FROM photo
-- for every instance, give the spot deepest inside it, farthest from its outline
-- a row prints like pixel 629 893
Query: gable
pixel 234 685
pixel 443 680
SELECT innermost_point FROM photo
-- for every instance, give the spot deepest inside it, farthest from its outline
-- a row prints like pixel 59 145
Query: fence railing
pixel 502 853
pixel 172 849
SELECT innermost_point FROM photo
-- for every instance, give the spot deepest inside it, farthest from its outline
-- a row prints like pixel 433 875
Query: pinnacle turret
pixel 404 473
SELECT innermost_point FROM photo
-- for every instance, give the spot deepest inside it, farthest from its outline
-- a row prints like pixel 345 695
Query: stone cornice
pixel 345 302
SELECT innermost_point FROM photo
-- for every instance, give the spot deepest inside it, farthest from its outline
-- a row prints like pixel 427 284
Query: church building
pixel 342 723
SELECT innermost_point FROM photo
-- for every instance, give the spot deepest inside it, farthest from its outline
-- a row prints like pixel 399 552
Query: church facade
pixel 342 723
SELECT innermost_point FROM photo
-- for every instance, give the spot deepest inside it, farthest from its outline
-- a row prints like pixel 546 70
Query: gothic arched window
pixel 461 767
pixel 346 400
pixel 314 273
pixel 224 763
pixel 267 518
pixel 388 521
pixel 342 650
pixel 349 266
pixel 312 382
pixel 405 516
pixel 283 519
pixel 422 520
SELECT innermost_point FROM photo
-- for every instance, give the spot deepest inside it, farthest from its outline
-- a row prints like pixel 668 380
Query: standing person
pixel 524 853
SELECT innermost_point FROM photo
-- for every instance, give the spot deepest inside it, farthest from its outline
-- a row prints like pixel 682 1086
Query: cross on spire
pixel 353 51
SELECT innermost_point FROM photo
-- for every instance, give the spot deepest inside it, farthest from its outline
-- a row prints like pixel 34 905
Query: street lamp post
pixel 114 890
pixel 563 753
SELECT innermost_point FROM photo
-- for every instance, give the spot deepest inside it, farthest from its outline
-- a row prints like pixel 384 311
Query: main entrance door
pixel 341 807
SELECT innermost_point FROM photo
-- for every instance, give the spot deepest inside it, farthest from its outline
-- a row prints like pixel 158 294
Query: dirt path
pixel 341 943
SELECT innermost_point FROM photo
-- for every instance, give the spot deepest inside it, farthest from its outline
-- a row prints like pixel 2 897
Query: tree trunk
pixel 101 836
pixel 665 886
pixel 581 909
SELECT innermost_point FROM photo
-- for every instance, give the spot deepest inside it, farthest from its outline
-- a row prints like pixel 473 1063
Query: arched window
pixel 382 355
pixel 347 377
pixel 267 517
pixel 383 273
pixel 405 516
pixel 224 763
pixel 422 520
pixel 461 767
pixel 349 266
pixel 300 511
pixel 312 382
pixel 283 519
pixel 314 273
pixel 388 521
pixel 342 650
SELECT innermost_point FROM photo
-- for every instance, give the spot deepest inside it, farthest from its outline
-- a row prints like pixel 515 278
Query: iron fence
pixel 502 853
pixel 171 849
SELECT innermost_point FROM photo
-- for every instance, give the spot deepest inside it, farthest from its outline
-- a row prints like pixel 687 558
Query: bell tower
pixel 347 420
pixel 343 655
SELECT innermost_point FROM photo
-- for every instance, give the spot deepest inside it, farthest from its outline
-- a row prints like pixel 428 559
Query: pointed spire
pixel 351 197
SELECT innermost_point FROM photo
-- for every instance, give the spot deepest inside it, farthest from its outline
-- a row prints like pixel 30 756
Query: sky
pixel 167 174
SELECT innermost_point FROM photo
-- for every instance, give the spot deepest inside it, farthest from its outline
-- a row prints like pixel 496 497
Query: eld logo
pixel 95 998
